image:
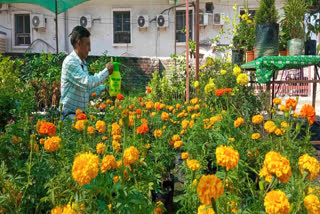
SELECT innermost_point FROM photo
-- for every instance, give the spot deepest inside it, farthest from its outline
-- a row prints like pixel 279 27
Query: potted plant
pixel 313 26
pixel 283 39
pixel 294 13
pixel 267 29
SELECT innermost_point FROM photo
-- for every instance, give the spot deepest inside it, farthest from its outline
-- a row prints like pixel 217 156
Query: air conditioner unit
pixel 37 21
pixel 162 21
pixel 143 21
pixel 4 7
pixel 86 21
pixel 203 19
pixel 217 19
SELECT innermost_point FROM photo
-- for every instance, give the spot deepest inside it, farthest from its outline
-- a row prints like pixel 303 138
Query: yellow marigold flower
pixel 255 136
pixel 236 70
pixel 314 190
pixel 196 84
pixel 209 187
pixel 100 148
pixel 109 206
pixel 157 133
pixel 42 140
pixel 284 108
pixel 194 100
pixel 190 109
pixel 203 209
pixel 210 87
pixel 197 107
pixel 264 173
pixel 52 144
pixel 257 119
pixel 112 108
pixel 277 101
pixel 78 111
pixel 249 21
pixel 193 164
pixel 116 146
pixel 227 157
pixel 296 115
pixel 130 155
pixel 178 107
pixel 80 125
pixel 278 132
pixel 177 144
pixel 278 166
pixel 57 210
pixel 116 138
pixel 147 146
pixel 107 163
pixel 164 116
pixel 85 167
pixel 312 203
pixel 270 126
pixel 309 164
pixel 185 124
pixel 149 105
pixel 223 72
pixel 101 126
pixel 104 138
pixel 191 123
pixel 238 122
pixel 231 139
pixel 116 130
pixel 91 130
pixel 184 155
pixel 242 79
pixel 276 202
pixel 284 124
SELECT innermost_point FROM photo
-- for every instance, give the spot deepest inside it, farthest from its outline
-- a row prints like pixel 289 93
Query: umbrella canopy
pixel 63 5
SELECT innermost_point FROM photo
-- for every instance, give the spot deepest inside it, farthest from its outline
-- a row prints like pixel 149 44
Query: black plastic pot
pixel 237 56
pixel 267 40
pixel 310 47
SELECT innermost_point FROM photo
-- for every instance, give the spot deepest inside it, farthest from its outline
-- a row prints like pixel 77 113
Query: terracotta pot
pixel 250 56
pixel 283 53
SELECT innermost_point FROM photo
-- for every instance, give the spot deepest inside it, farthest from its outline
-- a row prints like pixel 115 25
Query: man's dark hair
pixel 78 33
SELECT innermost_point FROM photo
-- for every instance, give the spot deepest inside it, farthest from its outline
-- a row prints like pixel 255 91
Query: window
pixel 22 29
pixel 121 27
pixel 252 12
pixel 181 25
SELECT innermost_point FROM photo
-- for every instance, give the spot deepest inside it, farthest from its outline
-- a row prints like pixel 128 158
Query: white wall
pixel 149 42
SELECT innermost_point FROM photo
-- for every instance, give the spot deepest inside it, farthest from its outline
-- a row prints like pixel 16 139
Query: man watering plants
pixel 76 83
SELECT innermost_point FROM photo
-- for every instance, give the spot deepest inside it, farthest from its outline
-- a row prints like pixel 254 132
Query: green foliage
pixel 267 13
pixel 284 36
pixel 294 13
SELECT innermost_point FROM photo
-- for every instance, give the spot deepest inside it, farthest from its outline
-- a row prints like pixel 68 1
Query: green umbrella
pixel 56 6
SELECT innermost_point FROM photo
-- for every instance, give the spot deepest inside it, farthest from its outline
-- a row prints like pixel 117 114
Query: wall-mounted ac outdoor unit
pixel 37 21
pixel 217 19
pixel 143 21
pixel 203 19
pixel 86 21
pixel 162 21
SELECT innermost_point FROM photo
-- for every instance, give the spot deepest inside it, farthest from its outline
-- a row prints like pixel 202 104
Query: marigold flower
pixel 196 84
pixel 227 157
pixel 15 139
pixel 209 87
pixel 57 210
pixel 270 126
pixel 184 155
pixel 219 92
pixel 223 72
pixel 116 146
pixel 100 148
pixel 164 116
pixel 257 119
pixel 209 187
pixel 190 109
pixel 104 138
pixel 312 203
pixel 277 101
pixel 193 164
pixel 157 133
pixel 242 79
pixel 143 129
pixel 238 122
pixel 130 155
pixel 52 144
pixel 47 128
pixel 308 112
pixel 82 116
pixel 231 139
pixel 78 111
pixel 93 94
pixel 194 101
pixel 42 140
pixel 149 90
pixel 147 146
pixel 80 125
pixel 291 103
pixel 233 205
pixel 107 163
pixel 117 138
pixel 116 130
pixel 284 108
pixel 265 173
pixel 309 164
pixel 91 130
pixel 227 90
pixel 276 202
pixel 159 209
pixel 177 144
pixel 120 96
pixel 101 126
pixel 85 167
pixel 255 136
pixel 203 209
pixel 236 70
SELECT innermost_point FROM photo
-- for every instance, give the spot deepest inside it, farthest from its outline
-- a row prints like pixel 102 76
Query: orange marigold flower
pixel 219 92
pixel 116 130
pixel 149 90
pixel 130 155
pixel 178 107
pixel 100 148
pixel 15 139
pixel 107 163
pixel 291 103
pixel 91 130
pixel 177 144
pixel 101 126
pixel 276 202
pixel 164 116
pixel 159 209
pixel 149 105
pixel 120 96
pixel 238 122
pixel 312 203
pixel 85 167
pixel 52 144
pixel 203 209
pixel 93 94
pixel 193 164
pixel 117 138
pixel 143 129
pixel 184 155
pixel 227 90
pixel 138 111
pixel 157 133
pixel 308 112
pixel 309 164
pixel 209 187
pixel 78 111
pixel 257 119
pixel 116 146
pixel 190 109
pixel 227 157
pixel 194 101
pixel 270 126
pixel 42 140
pixel 80 125
pixel 277 101
pixel 47 128
pixel 255 136
pixel 82 116
pixel 140 99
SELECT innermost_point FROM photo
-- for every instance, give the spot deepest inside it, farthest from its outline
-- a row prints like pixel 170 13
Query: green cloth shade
pixel 62 5
pixel 265 66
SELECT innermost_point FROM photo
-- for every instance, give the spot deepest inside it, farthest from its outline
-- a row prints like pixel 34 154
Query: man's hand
pixel 109 66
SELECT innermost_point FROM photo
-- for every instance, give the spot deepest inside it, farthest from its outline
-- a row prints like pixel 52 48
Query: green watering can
pixel 115 79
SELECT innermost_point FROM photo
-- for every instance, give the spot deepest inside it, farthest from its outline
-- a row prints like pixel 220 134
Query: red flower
pixel 219 92
pixel 138 111
pixel 227 90
pixel 142 129
pixel 82 116
pixel 291 102
pixel 93 94
pixel 285 22
pixel 149 90
pixel 120 97
pixel 47 128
